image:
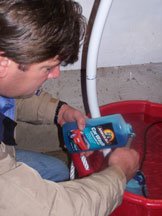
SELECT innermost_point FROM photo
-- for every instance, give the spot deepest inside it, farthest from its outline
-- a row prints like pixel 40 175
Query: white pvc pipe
pixel 92 56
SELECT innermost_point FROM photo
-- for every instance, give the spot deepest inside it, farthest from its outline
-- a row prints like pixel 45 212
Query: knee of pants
pixel 50 168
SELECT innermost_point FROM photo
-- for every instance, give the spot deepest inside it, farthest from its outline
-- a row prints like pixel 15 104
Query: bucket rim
pixel 130 197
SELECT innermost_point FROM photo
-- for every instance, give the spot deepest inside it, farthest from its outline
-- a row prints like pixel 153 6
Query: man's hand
pixel 127 159
pixel 69 114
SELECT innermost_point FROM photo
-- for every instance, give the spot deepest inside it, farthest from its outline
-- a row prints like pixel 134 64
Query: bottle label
pixel 93 137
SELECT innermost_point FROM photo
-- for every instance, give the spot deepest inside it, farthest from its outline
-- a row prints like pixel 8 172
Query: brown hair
pixel 32 31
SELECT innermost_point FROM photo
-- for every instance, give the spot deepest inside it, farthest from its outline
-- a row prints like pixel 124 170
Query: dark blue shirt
pixel 7 125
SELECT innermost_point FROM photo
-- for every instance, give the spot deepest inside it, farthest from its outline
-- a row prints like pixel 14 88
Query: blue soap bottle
pixel 103 132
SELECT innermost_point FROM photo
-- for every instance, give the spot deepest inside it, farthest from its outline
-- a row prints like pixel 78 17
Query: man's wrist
pixel 60 104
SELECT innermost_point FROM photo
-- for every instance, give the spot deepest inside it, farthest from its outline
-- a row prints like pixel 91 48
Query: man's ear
pixel 4 63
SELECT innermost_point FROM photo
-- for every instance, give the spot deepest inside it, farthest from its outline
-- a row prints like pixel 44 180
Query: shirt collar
pixel 7 106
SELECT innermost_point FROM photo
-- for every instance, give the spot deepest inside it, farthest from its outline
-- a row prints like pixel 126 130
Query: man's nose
pixel 55 73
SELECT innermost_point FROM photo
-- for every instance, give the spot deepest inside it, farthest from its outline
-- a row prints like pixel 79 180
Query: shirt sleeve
pixel 37 109
pixel 98 194
pixel 95 195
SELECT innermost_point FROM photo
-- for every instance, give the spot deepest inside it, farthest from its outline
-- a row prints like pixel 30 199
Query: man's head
pixel 33 31
pixel 36 31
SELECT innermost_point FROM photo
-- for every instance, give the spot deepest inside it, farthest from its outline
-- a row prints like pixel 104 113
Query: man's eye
pixel 48 70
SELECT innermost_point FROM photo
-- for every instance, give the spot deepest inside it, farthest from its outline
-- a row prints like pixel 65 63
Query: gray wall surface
pixel 141 82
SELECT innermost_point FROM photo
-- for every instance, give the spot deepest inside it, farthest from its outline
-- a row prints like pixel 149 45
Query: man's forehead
pixel 50 62
pixel 54 60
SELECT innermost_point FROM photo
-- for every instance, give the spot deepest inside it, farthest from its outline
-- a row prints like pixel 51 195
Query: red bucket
pixel 146 120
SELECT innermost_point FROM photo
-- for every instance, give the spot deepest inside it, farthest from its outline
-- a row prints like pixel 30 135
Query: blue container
pixel 137 185
pixel 104 132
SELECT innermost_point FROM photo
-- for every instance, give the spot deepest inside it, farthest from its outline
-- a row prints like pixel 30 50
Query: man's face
pixel 18 83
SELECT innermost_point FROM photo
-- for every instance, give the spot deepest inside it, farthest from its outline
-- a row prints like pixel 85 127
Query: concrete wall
pixel 141 82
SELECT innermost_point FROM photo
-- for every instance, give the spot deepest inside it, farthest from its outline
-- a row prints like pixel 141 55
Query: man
pixel 48 167
pixel 36 36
